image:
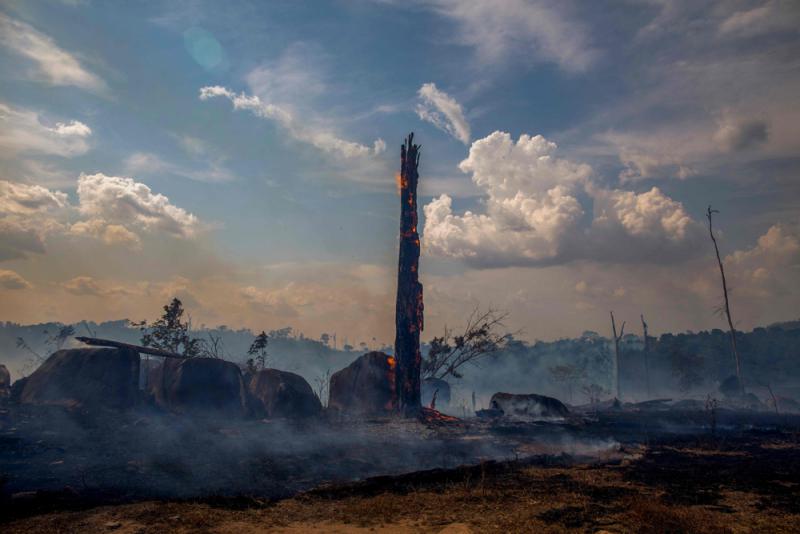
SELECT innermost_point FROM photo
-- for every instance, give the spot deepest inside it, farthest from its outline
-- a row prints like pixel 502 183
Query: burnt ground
pixel 620 472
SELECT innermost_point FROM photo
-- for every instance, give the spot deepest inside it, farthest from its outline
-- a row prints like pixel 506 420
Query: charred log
pixel 96 342
pixel 409 311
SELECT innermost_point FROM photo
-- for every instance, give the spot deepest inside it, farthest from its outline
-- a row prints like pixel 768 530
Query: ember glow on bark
pixel 409 311
pixel 391 405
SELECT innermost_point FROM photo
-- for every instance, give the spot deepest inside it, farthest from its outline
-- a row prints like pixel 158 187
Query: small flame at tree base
pixel 392 377
pixel 429 415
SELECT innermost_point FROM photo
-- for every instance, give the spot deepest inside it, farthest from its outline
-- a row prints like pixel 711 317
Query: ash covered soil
pixel 71 471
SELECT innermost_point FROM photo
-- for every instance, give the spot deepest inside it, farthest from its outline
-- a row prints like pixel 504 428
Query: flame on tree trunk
pixel 408 317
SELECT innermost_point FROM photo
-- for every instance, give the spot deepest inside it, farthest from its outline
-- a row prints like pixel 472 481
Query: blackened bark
pixel 409 311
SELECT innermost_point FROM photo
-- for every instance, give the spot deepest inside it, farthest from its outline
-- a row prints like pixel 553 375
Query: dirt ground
pixel 750 483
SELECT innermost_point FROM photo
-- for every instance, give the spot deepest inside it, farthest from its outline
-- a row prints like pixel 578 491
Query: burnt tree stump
pixel 409 311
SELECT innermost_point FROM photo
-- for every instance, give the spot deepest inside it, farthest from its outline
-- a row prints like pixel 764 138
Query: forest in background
pixel 577 370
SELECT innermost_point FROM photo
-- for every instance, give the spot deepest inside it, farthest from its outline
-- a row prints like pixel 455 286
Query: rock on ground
pixel 87 378
pixel 366 386
pixel 281 394
pixel 529 407
pixel 199 385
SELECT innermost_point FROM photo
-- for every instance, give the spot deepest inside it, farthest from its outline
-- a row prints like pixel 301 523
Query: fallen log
pixel 96 342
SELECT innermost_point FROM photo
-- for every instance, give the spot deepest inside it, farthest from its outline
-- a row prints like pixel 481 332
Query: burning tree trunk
pixel 408 317
pixel 727 304
pixel 617 339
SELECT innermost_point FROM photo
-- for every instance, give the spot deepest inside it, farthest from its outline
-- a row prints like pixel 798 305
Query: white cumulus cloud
pixel 75 128
pixel 541 209
pixel 27 215
pixel 22 199
pixel 123 201
pixel 110 234
pixel 22 131
pixel 651 214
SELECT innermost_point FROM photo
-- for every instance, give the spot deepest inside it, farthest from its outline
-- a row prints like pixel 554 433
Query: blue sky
pixel 242 156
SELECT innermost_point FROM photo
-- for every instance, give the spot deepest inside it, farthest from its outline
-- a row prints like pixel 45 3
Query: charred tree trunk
pixel 617 339
pixel 727 303
pixel 408 317
pixel 646 357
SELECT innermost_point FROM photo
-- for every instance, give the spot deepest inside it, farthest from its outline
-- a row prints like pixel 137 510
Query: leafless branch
pixel 483 335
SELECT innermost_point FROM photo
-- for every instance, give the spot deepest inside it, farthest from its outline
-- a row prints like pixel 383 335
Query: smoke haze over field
pixel 770 358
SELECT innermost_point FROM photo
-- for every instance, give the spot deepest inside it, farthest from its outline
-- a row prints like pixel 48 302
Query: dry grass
pixel 535 500
pixel 639 496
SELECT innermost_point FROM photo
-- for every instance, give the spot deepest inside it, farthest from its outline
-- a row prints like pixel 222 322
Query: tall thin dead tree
pixel 646 351
pixel 727 305
pixel 409 310
pixel 617 339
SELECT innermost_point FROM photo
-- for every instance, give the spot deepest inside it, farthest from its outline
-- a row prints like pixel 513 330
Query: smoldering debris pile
pixel 530 407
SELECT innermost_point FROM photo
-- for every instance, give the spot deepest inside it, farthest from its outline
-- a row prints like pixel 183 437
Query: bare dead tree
pixel 409 306
pixel 212 347
pixel 727 306
pixel 92 333
pixel 774 399
pixel 617 339
pixel 594 393
pixel 34 361
pixel 646 351
pixel 568 375
pixel 483 335
pixel 322 386
pixel 57 339
pixel 688 368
